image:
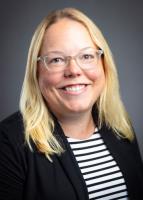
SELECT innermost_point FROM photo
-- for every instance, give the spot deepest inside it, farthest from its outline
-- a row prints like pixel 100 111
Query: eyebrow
pixel 61 52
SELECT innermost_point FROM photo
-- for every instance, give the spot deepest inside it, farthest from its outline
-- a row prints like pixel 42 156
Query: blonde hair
pixel 37 119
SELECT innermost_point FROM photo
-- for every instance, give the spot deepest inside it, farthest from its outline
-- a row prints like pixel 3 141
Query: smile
pixel 74 89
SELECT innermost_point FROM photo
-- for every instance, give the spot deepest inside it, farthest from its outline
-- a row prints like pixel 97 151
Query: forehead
pixel 66 34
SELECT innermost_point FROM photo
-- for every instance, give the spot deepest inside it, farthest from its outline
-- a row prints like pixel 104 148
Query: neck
pixel 80 126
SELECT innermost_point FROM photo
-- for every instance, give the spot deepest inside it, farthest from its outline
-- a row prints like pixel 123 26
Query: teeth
pixel 74 88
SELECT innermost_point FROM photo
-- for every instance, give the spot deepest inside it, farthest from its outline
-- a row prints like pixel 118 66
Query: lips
pixel 74 89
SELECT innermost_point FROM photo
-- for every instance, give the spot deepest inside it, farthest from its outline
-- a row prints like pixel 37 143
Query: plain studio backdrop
pixel 121 22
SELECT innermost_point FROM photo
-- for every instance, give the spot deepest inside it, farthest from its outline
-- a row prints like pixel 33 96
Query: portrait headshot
pixel 71 100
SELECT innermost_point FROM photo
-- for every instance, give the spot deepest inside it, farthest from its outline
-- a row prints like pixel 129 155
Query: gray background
pixel 121 23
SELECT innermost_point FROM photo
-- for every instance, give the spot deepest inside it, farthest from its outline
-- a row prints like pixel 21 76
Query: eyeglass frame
pixel 68 58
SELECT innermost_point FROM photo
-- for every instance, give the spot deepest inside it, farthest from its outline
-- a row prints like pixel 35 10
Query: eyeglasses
pixel 86 59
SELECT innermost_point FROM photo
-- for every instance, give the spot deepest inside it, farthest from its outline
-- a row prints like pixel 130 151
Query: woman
pixel 72 138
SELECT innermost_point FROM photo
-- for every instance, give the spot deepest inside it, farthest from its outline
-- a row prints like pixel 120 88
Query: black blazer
pixel 27 175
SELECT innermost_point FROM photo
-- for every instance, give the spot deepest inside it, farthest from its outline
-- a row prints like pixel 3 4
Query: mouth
pixel 74 89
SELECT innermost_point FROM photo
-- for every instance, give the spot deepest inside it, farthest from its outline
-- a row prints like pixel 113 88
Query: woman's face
pixel 73 90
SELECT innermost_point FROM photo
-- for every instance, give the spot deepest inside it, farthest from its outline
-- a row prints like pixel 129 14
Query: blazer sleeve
pixel 137 154
pixel 12 164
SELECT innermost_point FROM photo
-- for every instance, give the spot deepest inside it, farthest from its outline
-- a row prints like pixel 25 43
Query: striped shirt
pixel 102 175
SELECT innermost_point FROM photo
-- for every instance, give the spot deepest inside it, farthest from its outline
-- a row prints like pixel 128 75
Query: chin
pixel 80 109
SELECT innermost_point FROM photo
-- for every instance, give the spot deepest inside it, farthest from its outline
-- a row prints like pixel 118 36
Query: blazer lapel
pixel 70 166
pixel 127 157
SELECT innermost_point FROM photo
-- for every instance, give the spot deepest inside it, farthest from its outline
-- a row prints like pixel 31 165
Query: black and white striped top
pixel 102 175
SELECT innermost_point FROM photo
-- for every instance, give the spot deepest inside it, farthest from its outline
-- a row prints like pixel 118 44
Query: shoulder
pixel 13 118
pixel 12 141
pixel 12 127
pixel 121 145
pixel 13 160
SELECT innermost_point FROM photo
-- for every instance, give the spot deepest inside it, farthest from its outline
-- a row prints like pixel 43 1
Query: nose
pixel 72 69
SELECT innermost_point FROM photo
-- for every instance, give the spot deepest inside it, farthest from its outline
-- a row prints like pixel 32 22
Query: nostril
pixel 70 74
pixel 67 75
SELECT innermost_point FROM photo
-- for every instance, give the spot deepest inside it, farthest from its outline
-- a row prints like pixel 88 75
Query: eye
pixel 87 56
pixel 55 60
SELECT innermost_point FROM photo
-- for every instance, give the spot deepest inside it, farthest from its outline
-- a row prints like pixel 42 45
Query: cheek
pixel 46 86
pixel 47 80
pixel 96 75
